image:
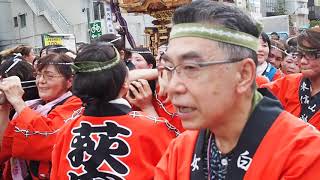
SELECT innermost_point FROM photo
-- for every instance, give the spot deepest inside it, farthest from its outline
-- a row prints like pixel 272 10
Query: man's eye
pixel 190 67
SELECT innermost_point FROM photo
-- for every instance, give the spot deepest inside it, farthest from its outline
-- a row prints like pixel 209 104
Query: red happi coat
pixel 167 111
pixel 34 147
pixel 283 147
pixel 118 145
pixel 286 90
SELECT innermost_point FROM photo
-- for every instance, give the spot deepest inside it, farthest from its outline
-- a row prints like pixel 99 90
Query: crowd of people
pixel 221 100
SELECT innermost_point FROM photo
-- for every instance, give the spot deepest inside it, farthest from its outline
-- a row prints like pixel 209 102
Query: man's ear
pixel 247 70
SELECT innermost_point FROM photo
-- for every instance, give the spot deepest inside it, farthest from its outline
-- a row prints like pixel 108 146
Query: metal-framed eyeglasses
pixel 312 55
pixel 191 70
pixel 47 76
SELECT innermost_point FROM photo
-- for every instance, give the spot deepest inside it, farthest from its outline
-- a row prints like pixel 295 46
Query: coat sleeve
pixel 278 88
pixel 56 155
pixel 31 136
pixel 277 75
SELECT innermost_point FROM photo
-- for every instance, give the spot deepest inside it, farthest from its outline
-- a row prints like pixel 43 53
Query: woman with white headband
pixel 29 137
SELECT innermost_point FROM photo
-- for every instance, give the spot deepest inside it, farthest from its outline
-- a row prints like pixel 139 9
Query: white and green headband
pixel 94 66
pixel 216 33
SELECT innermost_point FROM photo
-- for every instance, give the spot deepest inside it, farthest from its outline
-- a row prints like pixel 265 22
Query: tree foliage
pixel 280 8
pixel 315 23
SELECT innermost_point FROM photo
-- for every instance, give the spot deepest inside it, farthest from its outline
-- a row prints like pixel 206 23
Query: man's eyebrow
pixel 187 56
pixel 190 55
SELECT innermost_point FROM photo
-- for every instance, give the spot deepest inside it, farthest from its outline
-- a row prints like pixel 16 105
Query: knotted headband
pixel 94 66
pixel 216 33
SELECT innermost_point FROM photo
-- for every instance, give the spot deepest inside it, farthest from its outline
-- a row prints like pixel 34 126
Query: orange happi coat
pixel 286 90
pixel 117 143
pixel 284 147
pixel 32 138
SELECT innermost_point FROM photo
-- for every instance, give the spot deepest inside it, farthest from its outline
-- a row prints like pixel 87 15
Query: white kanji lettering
pixel 312 108
pixel 305 99
pixel 304 118
pixel 244 161
pixel 194 163
pixel 304 86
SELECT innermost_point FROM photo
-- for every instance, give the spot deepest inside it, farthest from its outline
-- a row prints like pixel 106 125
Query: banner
pixel 67 40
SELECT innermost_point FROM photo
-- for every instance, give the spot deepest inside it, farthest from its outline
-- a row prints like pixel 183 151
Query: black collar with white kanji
pixel 258 124
pixel 309 104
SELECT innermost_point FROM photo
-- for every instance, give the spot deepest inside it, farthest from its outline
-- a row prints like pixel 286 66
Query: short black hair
pixel 265 38
pixel 275 33
pixel 280 45
pixel 220 14
pixel 60 49
pixel 118 40
pixel 291 49
pixel 292 41
pixel 310 38
pixel 101 86
pixel 146 54
pixel 54 59
pixel 25 72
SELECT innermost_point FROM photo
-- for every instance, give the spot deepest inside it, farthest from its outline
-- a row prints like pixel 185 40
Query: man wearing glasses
pixel 235 131
pixel 299 93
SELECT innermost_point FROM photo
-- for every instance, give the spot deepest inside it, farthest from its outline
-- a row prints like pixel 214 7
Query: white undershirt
pixel 261 68
pixel 120 101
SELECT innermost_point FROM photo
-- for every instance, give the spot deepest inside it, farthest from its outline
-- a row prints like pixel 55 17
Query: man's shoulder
pixel 293 144
pixel 294 130
pixel 188 136
pixel 290 145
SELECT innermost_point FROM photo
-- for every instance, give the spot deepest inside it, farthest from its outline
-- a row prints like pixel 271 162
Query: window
pixel 270 6
pixel 15 21
pixel 98 10
pixel 311 8
pixel 23 20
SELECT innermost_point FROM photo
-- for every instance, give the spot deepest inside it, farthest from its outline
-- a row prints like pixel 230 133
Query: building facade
pixel 7 25
pixel 296 9
pixel 299 12
pixel 254 7
pixel 24 21
pixel 314 9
